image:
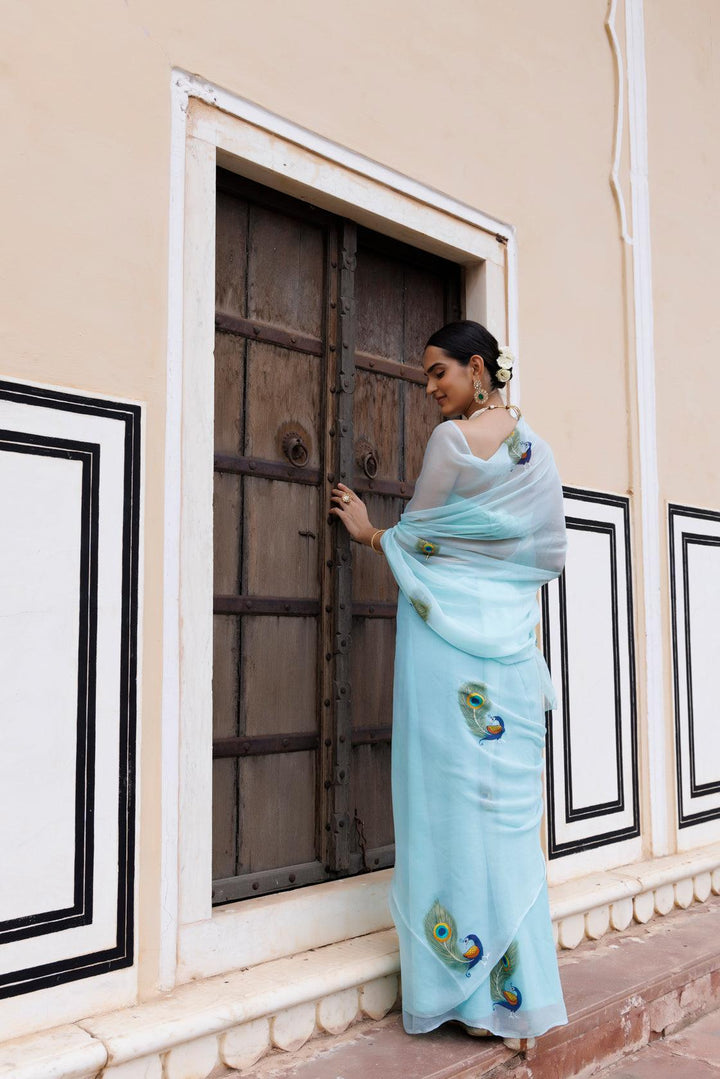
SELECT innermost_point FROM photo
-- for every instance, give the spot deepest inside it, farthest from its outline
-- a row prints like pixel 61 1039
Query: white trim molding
pixel 619 119
pixel 660 778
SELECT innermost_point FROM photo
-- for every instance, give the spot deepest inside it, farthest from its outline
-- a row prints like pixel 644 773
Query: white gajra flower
pixel 505 359
pixel 502 374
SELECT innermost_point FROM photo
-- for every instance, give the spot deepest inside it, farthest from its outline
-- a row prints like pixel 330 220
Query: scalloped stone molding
pixel 603 902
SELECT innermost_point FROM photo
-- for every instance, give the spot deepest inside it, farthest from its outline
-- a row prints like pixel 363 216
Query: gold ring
pixel 346 498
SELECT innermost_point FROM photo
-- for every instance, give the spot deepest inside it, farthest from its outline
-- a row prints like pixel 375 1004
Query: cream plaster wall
pixel 508 107
pixel 683 74
pixel 683 70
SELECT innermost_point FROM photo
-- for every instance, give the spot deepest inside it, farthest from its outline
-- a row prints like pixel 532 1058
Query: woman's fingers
pixel 350 508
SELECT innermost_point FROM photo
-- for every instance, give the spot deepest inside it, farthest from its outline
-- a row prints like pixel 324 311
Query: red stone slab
pixel 701 1041
pixel 384 1051
pixel 660 1063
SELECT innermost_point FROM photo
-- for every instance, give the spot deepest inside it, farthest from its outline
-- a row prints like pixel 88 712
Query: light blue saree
pixel 469 894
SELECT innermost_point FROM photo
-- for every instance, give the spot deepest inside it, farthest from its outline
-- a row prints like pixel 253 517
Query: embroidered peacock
pixel 475 705
pixel 520 451
pixel 441 932
pixel 502 992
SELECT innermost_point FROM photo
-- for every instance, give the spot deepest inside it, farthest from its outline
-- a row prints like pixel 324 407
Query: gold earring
pixel 480 393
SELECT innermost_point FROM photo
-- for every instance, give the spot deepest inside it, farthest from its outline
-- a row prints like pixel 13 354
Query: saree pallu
pixel 469 894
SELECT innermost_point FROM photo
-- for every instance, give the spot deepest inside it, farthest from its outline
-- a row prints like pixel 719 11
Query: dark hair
pixel 466 338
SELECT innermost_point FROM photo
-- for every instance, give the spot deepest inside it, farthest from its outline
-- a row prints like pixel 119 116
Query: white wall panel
pixel 695 600
pixel 40 589
pixel 591 760
pixel 69 547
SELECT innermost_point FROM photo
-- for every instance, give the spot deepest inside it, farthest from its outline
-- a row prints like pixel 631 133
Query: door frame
pixel 211 127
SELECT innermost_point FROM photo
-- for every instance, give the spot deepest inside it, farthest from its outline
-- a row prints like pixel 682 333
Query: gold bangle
pixel 372 539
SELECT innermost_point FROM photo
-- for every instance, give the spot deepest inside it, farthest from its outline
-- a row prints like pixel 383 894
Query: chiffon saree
pixel 469 895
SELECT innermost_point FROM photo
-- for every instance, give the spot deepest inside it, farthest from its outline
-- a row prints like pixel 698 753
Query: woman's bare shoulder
pixel 485 434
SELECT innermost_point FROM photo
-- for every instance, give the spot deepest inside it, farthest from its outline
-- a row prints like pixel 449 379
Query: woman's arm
pixel 432 487
pixel 354 516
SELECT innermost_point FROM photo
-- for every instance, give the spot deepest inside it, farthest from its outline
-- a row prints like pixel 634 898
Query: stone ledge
pixel 218 1004
pixel 591 906
pixel 62 1053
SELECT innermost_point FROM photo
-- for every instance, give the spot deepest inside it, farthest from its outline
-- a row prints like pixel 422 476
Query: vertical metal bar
pixel 327 549
pixel 403 388
pixel 241 718
pixel 339 834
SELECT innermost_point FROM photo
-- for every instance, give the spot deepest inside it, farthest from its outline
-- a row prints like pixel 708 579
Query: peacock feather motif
pixel 441 932
pixel 427 547
pixel 520 451
pixel 502 992
pixel 422 608
pixel 475 705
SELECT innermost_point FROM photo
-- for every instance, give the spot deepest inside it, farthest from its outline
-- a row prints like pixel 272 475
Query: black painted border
pixel 687 819
pixel 697 790
pixel 631 831
pixel 573 813
pixel 80 913
pixel 121 954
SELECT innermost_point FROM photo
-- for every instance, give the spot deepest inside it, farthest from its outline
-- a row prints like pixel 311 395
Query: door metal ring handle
pixel 366 459
pixel 295 449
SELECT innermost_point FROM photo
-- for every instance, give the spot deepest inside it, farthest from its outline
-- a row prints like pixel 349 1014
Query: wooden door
pixel 320 327
pixel 401 296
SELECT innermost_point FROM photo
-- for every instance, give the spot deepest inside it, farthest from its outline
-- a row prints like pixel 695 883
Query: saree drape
pixel 469 895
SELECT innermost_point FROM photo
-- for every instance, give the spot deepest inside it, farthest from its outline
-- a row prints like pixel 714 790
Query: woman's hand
pixel 353 514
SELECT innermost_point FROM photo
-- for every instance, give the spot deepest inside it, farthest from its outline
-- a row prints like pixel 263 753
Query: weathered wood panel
pixel 372 579
pixel 295 298
pixel 375 418
pixel 371 798
pixel 285 271
pixel 421 416
pixel 423 310
pixel 226 675
pixel 279 676
pixel 227 519
pixel 229 393
pixel 224 818
pixel 281 521
pixel 379 289
pixel 277 810
pixel 231 234
pixel 283 395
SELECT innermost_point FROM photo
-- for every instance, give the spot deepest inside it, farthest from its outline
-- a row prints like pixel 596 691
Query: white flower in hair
pixel 502 374
pixel 505 360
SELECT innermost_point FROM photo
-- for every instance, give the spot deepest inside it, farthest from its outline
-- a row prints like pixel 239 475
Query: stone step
pixel 694 1053
pixel 622 993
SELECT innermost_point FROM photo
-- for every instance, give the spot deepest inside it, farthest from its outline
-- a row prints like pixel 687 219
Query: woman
pixel 483 531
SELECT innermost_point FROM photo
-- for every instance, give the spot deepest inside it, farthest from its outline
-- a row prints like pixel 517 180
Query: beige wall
pixel 683 79
pixel 684 149
pixel 508 107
